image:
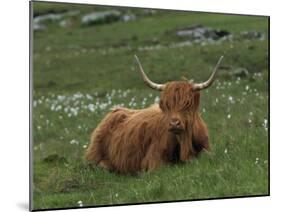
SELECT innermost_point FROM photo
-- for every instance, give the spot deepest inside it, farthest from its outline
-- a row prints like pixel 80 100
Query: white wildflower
pixel 53 107
pixel 125 94
pixel 231 100
pixel 61 98
pixel 80 203
pixel 91 107
pixel 74 111
pixel 59 107
pixel 74 142
pixel 102 106
pixel 265 124
pixel 157 99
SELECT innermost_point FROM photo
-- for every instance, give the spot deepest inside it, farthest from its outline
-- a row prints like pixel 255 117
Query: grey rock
pixel 48 17
pixel 127 18
pixel 240 72
pixel 101 17
pixel 198 34
pixel 252 35
pixel 38 27
pixel 39 20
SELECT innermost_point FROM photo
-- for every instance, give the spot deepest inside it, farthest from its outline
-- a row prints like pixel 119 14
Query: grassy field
pixel 80 72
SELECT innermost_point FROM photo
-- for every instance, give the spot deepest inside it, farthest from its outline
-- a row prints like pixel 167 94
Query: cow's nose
pixel 175 123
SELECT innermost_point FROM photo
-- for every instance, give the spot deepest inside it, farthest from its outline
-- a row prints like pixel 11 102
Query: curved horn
pixel 159 87
pixel 203 85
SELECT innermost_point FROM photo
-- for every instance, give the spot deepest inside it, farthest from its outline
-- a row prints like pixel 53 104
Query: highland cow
pixel 130 141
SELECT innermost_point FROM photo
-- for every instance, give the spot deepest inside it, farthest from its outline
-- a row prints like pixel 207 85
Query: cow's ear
pixel 196 99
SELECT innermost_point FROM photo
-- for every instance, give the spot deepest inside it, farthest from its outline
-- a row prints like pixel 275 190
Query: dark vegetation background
pixel 83 66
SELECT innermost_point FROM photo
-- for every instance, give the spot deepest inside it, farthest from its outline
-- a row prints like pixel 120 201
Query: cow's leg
pixel 152 160
pixel 186 151
pixel 154 164
pixel 200 136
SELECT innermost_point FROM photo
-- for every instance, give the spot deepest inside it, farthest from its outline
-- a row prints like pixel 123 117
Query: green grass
pixel 87 70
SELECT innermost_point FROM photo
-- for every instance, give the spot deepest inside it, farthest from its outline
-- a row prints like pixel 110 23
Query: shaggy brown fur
pixel 129 141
